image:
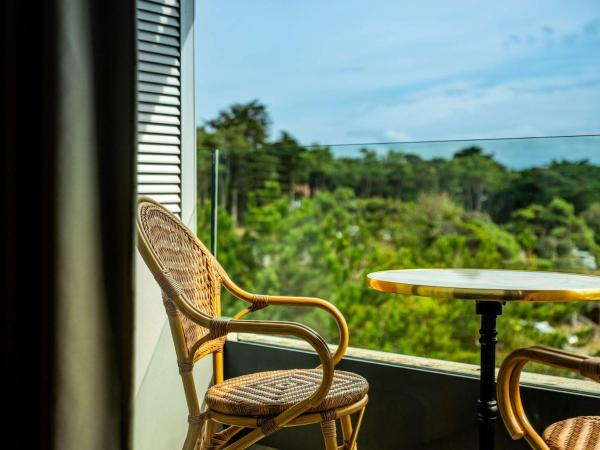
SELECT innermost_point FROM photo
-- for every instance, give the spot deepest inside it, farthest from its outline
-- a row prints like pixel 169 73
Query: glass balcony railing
pixel 314 220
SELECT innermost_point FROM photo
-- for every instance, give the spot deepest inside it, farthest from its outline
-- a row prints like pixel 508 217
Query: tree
pixel 592 218
pixel 292 163
pixel 576 182
pixel 552 233
pixel 478 176
pixel 321 169
pixel 240 132
pixel 250 121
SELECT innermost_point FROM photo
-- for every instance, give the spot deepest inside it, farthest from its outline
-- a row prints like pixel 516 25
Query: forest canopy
pixel 305 220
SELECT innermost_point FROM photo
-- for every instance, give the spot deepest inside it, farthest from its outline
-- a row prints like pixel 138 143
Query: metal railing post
pixel 214 204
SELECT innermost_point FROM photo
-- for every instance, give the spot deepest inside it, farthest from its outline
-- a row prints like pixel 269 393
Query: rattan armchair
pixel 578 433
pixel 190 279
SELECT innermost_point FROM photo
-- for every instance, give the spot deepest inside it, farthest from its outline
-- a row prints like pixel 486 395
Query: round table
pixel 490 289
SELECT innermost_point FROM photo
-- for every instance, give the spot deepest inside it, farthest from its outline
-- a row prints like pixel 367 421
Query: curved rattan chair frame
pixel 508 387
pixel 177 304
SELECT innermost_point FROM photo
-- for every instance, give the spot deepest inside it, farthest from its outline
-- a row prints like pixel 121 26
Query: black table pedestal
pixel 487 407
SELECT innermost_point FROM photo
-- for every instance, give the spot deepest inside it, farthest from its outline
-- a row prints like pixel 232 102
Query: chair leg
pixel 193 436
pixel 329 434
pixel 347 432
pixel 209 431
pixel 353 445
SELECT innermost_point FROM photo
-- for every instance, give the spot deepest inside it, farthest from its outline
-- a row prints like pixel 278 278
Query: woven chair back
pixel 190 264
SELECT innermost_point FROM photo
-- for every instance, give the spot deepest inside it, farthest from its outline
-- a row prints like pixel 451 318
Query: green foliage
pixel 325 246
pixel 297 220
pixel 553 233
pixel 591 216
pixel 578 183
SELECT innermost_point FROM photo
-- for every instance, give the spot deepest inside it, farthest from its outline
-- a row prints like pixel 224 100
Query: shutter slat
pixel 158 179
pixel 158 109
pixel 144 36
pixel 174 208
pixel 158 9
pixel 158 159
pixel 158 118
pixel 158 59
pixel 158 89
pixel 165 2
pixel 158 48
pixel 158 148
pixel 159 129
pixel 158 69
pixel 158 139
pixel 158 169
pixel 159 189
pixel 160 99
pixel 166 198
pixel 159 79
pixel 158 29
pixel 157 18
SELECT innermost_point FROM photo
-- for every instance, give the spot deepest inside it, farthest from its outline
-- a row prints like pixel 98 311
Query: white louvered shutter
pixel 159 168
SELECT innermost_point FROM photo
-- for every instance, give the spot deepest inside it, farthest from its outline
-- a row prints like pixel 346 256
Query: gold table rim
pixel 524 295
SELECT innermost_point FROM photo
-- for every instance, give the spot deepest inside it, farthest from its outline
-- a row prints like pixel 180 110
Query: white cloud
pixel 350 71
pixel 531 107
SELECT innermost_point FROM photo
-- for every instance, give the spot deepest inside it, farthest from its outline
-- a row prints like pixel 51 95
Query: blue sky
pixel 352 71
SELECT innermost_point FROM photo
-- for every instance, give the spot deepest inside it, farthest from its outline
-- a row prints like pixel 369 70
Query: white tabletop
pixel 488 284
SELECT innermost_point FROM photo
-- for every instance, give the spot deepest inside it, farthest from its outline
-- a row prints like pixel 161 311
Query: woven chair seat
pixel 578 433
pixel 270 393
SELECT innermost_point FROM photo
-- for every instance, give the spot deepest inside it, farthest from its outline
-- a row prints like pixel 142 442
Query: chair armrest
pixel 508 387
pixel 220 326
pixel 261 301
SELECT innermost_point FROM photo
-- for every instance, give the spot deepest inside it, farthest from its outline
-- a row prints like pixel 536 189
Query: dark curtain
pixel 68 149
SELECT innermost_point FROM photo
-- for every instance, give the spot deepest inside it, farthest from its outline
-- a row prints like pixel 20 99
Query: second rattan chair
pixel 190 279
pixel 577 433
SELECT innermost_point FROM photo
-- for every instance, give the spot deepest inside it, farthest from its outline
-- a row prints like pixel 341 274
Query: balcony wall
pixel 411 407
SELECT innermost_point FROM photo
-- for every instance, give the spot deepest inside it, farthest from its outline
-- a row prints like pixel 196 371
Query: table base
pixel 487 407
